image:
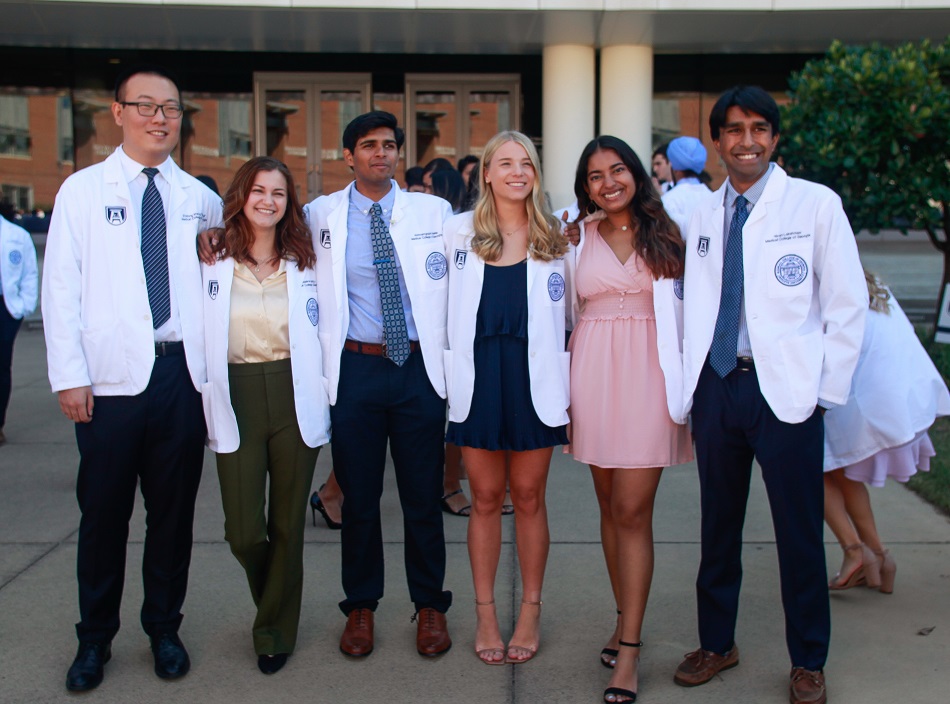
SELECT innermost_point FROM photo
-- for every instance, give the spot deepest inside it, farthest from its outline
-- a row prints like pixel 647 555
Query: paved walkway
pixel 878 653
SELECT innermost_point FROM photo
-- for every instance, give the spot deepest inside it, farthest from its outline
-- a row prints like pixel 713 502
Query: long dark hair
pixel 293 241
pixel 656 238
pixel 449 185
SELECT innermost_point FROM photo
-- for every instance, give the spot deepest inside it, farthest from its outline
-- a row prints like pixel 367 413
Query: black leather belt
pixel 168 349
pixel 745 364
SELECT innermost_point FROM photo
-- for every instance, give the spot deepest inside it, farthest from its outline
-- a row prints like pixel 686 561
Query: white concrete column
pixel 567 113
pixel 626 96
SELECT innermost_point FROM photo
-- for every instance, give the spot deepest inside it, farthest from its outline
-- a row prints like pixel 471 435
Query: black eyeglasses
pixel 172 112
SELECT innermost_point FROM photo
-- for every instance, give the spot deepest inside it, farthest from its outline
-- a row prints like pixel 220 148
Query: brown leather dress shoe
pixel 807 686
pixel 357 638
pixel 432 633
pixel 700 666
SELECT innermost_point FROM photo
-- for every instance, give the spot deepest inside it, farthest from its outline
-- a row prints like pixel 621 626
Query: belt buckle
pixel 382 346
pixel 160 349
pixel 744 364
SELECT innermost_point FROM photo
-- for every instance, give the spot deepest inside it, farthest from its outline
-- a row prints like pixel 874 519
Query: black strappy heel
pixel 630 695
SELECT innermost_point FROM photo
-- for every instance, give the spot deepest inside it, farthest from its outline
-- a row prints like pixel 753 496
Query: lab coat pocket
pixel 103 354
pixel 802 356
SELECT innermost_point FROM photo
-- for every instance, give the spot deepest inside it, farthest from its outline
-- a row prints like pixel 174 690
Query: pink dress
pixel 619 415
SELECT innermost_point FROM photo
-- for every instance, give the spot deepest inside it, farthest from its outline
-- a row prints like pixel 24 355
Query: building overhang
pixel 468 26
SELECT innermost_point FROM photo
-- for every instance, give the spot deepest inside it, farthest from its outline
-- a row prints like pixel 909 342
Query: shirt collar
pixel 131 168
pixel 753 193
pixel 364 203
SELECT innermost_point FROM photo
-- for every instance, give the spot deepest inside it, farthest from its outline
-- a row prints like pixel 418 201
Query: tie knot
pixel 150 171
pixel 741 202
pixel 377 210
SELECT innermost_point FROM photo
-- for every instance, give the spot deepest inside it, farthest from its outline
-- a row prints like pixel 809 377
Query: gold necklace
pixel 257 267
pixel 509 234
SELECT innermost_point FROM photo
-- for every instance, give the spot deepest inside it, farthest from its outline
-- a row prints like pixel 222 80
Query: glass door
pixel 299 119
pixel 450 116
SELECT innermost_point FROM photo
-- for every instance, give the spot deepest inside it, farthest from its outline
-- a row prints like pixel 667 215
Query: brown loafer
pixel 432 633
pixel 700 666
pixel 357 638
pixel 807 686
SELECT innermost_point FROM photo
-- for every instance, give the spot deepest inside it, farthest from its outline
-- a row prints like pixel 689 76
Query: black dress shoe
pixel 86 671
pixel 269 664
pixel 171 658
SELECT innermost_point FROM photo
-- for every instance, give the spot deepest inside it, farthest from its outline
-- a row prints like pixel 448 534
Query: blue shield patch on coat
pixel 436 266
pixel 312 311
pixel 115 214
pixel 15 257
pixel 678 288
pixel 325 239
pixel 556 286
pixel 702 248
pixel 460 256
pixel 791 270
pixel 213 289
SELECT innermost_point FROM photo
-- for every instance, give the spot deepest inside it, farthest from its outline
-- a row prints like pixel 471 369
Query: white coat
pixel 668 309
pixel 96 315
pixel 310 388
pixel 681 201
pixel 416 229
pixel 549 290
pixel 17 269
pixel 804 293
pixel 896 393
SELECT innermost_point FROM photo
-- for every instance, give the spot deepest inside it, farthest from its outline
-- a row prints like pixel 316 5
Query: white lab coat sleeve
pixel 843 297
pixel 29 283
pixel 62 295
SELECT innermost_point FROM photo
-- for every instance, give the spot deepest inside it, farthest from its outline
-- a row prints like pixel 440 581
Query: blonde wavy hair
pixel 877 293
pixel 545 241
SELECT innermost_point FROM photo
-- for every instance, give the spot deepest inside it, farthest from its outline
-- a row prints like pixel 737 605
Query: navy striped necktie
pixel 722 352
pixel 155 252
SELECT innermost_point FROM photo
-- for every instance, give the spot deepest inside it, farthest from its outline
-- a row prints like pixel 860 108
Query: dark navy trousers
pixel 9 326
pixel 377 404
pixel 156 440
pixel 733 424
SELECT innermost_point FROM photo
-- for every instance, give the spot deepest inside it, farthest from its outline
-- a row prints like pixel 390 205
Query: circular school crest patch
pixel 791 270
pixel 15 257
pixel 436 266
pixel 678 288
pixel 313 311
pixel 556 286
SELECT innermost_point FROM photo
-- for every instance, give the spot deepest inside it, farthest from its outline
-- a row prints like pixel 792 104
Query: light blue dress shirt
pixel 362 282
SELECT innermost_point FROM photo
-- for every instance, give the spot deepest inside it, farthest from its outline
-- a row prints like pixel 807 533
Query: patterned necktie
pixel 155 252
pixel 394 316
pixel 722 353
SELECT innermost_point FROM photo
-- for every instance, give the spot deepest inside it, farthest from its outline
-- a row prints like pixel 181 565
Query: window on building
pixel 14 125
pixel 234 129
pixel 21 197
pixel 65 129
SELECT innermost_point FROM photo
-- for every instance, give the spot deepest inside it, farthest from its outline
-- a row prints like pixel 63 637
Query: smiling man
pixel 382 292
pixel 125 346
pixel 773 320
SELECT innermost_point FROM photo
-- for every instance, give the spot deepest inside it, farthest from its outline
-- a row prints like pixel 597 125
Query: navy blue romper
pixel 502 416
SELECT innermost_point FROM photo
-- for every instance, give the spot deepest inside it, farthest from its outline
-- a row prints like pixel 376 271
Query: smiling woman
pixel 506 376
pixel 261 304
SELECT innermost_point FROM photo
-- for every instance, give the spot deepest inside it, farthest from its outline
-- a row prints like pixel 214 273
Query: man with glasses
pixel 124 335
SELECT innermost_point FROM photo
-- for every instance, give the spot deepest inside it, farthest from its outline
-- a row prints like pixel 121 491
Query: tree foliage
pixel 873 123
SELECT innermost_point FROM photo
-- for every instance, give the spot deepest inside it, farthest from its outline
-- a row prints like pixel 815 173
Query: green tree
pixel 873 123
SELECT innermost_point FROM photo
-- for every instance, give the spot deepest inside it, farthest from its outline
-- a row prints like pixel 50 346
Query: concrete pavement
pixel 877 654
